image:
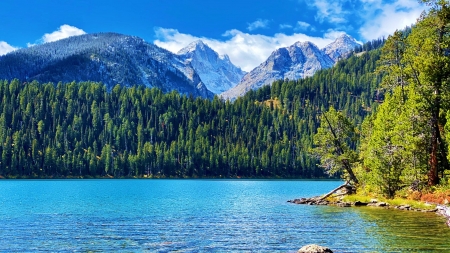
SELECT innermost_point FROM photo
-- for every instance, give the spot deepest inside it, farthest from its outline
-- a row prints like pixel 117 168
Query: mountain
pixel 300 60
pixel 216 71
pixel 109 58
pixel 66 134
pixel 341 47
pixel 297 61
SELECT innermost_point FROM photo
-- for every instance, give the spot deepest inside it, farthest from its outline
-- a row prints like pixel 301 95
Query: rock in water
pixel 313 248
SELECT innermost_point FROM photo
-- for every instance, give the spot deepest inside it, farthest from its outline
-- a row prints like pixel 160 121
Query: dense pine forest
pixel 85 130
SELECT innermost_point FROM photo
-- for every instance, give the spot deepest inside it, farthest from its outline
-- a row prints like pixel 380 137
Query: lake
pixel 201 216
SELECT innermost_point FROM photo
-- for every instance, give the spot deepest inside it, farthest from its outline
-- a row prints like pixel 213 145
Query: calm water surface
pixel 200 216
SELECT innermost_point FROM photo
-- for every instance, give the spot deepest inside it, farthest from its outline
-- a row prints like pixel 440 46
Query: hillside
pixel 82 129
pixel 109 58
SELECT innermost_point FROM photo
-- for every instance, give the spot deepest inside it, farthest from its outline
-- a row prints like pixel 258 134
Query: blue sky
pixel 247 30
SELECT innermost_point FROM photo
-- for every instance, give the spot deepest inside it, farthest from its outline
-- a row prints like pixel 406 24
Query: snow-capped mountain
pixel 341 47
pixel 216 71
pixel 300 60
pixel 297 61
pixel 109 58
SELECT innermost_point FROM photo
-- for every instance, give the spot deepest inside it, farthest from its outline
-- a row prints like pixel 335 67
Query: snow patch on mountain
pixel 341 47
pixel 216 71
pixel 109 58
pixel 299 60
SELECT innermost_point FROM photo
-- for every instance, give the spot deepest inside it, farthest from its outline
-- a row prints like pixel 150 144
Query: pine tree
pixel 333 141
pixel 429 65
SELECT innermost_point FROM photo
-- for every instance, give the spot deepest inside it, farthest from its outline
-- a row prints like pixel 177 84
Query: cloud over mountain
pixel 244 49
pixel 6 48
pixel 260 23
pixel 372 19
pixel 63 32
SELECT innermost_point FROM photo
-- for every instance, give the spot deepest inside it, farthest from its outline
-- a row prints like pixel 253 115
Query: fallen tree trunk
pixel 333 191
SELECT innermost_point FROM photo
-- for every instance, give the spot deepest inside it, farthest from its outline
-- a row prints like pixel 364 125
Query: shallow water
pixel 200 216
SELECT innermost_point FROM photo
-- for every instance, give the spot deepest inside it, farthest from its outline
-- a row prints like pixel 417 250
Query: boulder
pixel 359 203
pixel 313 248
pixel 404 207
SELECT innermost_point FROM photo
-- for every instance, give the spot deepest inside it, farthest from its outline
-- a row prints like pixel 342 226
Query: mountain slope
pixel 297 61
pixel 341 47
pixel 265 133
pixel 216 71
pixel 109 58
pixel 300 60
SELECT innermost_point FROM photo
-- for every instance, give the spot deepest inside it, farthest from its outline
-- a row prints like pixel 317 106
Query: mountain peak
pixel 346 38
pixel 302 59
pixel 198 44
pixel 216 71
pixel 341 47
pixel 195 45
pixel 109 58
pixel 304 43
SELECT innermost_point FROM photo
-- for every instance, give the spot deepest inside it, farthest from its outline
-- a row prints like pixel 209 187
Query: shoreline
pixel 164 177
pixel 441 210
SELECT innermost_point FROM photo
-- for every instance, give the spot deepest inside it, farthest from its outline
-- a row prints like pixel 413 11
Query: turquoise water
pixel 200 216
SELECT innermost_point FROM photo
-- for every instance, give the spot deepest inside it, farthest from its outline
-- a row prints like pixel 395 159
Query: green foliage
pixel 332 144
pixel 405 140
pixel 83 130
pixel 393 146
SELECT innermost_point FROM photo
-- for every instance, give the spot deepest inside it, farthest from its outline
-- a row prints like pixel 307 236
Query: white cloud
pixel 244 49
pixel 6 48
pixel 260 23
pixel 330 10
pixel 63 32
pixel 285 26
pixel 374 18
pixel 333 34
pixel 383 19
pixel 302 26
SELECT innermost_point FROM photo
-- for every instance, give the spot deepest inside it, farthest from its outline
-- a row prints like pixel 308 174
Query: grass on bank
pixel 426 198
pixel 397 201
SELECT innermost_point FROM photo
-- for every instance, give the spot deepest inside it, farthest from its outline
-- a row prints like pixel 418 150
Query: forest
pixel 378 119
pixel 402 145
pixel 87 130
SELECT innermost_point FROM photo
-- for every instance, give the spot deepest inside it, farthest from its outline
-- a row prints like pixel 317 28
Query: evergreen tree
pixel 332 144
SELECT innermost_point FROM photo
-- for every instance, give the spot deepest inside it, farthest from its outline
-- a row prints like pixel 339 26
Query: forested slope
pixel 81 129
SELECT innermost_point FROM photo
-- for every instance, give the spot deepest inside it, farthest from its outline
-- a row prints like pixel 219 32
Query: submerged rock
pixel 378 204
pixel 313 248
pixel 344 204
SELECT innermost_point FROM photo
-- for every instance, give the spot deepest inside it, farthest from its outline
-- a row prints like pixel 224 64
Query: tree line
pixel 85 130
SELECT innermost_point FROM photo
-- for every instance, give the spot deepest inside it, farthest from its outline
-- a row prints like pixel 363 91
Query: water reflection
pixel 405 231
pixel 200 216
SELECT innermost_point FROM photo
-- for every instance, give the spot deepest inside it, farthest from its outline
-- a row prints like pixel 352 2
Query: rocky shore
pixel 444 211
pixel 440 209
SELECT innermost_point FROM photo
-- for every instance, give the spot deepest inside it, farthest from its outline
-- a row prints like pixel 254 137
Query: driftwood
pixel 333 191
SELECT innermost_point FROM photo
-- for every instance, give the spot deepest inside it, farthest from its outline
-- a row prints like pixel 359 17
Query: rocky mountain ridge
pixel 196 70
pixel 216 71
pixel 109 58
pixel 299 60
